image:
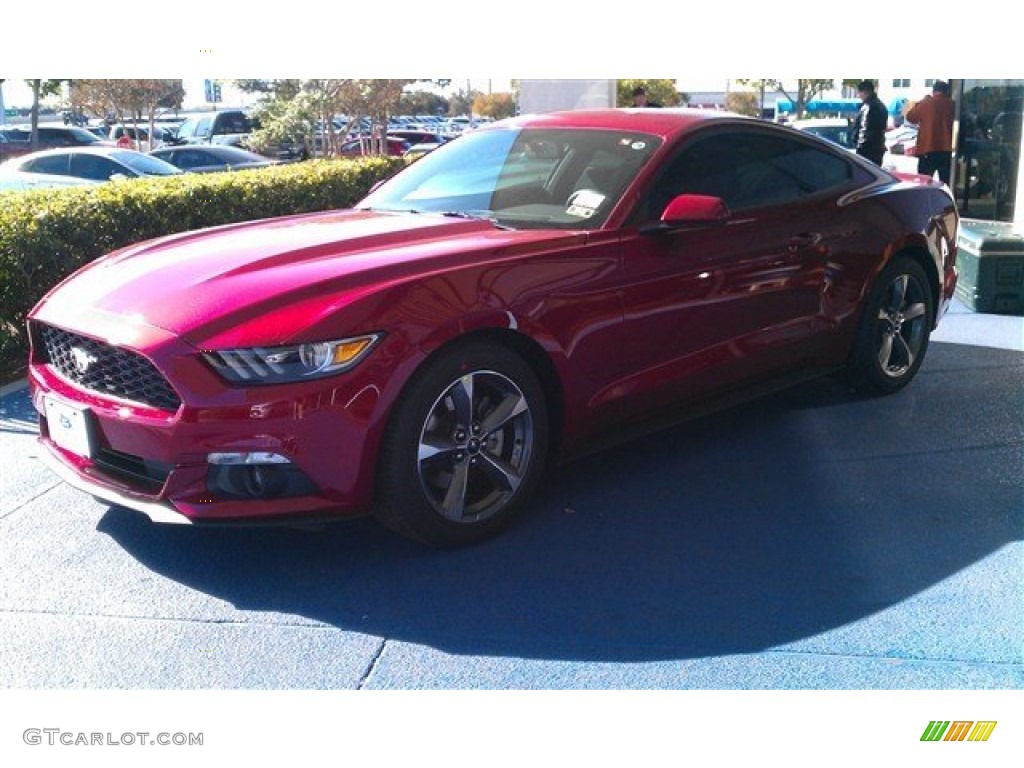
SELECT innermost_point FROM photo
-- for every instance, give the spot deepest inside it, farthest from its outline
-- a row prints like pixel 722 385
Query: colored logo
pixel 958 730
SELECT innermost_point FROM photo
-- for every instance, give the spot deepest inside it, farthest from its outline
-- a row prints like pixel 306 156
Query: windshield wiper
pixel 476 215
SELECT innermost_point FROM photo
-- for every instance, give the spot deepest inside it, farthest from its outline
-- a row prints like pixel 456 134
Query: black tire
pixel 447 483
pixel 893 334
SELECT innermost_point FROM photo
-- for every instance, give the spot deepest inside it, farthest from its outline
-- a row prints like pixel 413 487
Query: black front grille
pixel 103 368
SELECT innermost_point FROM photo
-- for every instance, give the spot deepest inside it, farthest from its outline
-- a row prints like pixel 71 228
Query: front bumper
pixel 156 511
pixel 158 462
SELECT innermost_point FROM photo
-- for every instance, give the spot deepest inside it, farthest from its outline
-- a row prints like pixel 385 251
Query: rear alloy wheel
pixel 894 330
pixel 465 447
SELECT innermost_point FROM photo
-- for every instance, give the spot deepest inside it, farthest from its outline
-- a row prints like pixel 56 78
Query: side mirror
pixel 687 211
pixel 118 177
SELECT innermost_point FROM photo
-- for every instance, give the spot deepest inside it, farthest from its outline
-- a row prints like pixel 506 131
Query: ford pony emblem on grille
pixel 82 359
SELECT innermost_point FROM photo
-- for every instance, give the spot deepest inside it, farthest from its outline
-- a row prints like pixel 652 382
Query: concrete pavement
pixel 812 539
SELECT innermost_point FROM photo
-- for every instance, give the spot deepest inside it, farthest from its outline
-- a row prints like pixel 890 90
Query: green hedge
pixel 46 234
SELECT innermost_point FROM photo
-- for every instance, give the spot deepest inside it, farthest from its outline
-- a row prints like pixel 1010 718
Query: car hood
pixel 266 282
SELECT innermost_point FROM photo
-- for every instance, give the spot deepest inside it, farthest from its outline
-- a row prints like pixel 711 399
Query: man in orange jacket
pixel 934 118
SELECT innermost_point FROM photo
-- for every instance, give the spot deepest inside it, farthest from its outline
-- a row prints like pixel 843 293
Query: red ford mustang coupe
pixel 499 304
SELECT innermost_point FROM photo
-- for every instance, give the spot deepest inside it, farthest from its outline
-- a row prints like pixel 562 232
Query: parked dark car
pixel 396 147
pixel 203 158
pixel 502 303
pixel 52 137
pixel 12 145
pixel 419 137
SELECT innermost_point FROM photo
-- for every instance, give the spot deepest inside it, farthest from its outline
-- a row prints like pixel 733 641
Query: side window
pixel 815 171
pixel 94 167
pixel 54 164
pixel 749 169
pixel 707 167
pixel 191 159
pixel 53 138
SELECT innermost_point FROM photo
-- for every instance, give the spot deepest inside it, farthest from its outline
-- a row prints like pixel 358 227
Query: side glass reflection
pixel 989 148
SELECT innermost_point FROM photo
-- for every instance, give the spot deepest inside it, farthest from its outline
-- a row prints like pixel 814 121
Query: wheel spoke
pixel 908 354
pixel 885 353
pixel 504 476
pixel 900 292
pixel 455 499
pixel 462 400
pixel 914 311
pixel 507 409
pixel 431 448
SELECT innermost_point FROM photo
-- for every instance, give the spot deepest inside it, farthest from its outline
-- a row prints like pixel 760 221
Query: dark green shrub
pixel 47 234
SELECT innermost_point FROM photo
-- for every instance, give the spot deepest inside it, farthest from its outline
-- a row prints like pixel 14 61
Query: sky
pixel 527 39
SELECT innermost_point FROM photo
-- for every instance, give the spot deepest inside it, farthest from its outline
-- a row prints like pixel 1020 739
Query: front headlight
pixel 294 362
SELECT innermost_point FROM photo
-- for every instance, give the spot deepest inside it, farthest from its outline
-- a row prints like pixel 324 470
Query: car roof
pixel 87 149
pixel 664 122
pixel 202 148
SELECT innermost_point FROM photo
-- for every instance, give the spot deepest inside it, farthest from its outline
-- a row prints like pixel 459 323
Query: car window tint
pixel 232 122
pixel 94 167
pixel 707 167
pixel 53 137
pixel 189 158
pixel 750 170
pixel 55 164
pixel 144 165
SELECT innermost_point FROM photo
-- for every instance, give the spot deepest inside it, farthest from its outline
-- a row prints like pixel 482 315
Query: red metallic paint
pixel 627 321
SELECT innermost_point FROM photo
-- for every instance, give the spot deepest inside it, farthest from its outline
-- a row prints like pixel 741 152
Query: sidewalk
pixel 962 325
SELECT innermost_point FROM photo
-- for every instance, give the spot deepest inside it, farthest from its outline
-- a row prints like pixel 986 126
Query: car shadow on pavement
pixel 766 524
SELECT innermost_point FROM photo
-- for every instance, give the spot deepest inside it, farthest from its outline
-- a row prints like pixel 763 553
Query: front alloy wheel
pixel 475 446
pixel 465 446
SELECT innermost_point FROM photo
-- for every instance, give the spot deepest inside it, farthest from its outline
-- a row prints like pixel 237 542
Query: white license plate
pixel 69 427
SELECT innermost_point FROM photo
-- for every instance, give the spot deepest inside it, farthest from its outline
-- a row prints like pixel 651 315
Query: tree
pixel 659 91
pixel 278 89
pixel 422 103
pixel 462 103
pixel 494 105
pixel 743 103
pixel 40 88
pixel 131 101
pixel 805 91
pixel 306 111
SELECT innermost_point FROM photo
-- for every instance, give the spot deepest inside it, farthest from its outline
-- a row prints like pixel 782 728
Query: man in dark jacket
pixel 872 120
pixel 640 98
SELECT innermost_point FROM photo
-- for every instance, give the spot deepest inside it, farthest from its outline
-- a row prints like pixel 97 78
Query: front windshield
pixel 522 178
